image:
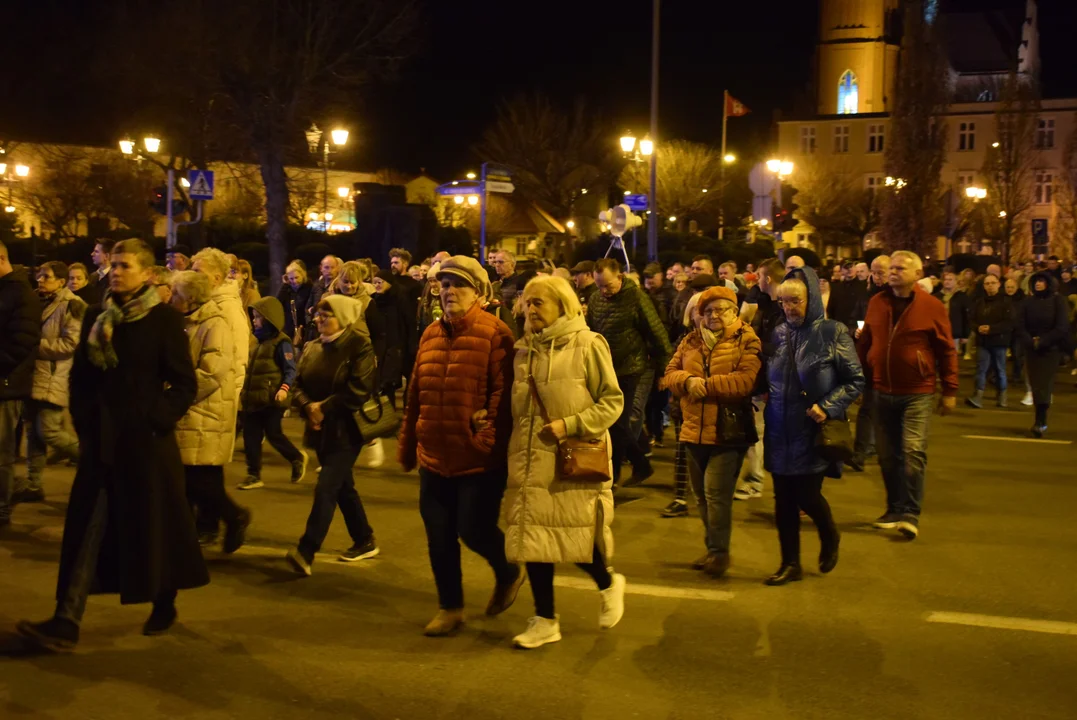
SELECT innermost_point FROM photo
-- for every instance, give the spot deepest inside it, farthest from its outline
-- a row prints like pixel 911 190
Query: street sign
pixel 636 202
pixel 1039 237
pixel 499 186
pixel 497 172
pixel 459 189
pixel 201 184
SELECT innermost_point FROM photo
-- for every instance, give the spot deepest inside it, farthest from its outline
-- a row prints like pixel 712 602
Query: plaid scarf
pixel 100 349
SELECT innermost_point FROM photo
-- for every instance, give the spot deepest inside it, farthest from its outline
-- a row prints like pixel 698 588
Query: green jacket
pixel 637 338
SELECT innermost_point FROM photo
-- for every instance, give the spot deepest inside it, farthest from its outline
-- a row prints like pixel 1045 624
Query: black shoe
pixel 786 574
pixel 55 634
pixel 909 526
pixel 207 539
pixel 160 620
pixel 236 533
pixel 361 552
pixel 299 562
pixel 639 476
pixel 887 521
pixel 856 463
pixel 677 508
pixel 1039 430
pixel 26 495
pixel 828 554
pixel 717 564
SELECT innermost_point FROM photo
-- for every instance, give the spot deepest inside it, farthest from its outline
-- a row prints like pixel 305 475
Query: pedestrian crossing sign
pixel 201 184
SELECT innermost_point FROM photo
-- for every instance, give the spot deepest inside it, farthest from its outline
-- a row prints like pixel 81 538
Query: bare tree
pixel 1008 169
pixel 911 213
pixel 553 155
pixel 689 180
pixel 59 191
pixel 835 202
pixel 304 193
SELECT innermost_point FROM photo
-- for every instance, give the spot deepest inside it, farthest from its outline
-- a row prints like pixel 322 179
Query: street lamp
pixel 976 193
pixel 729 158
pixel 470 176
pixel 127 146
pixel 343 192
pixel 151 143
pixel 9 209
pixel 185 182
pixel 473 200
pixel 315 137
pixel 628 142
pixel 646 147
pixel 673 218
pixel 340 137
pixel 1002 213
pixel 22 170
pixel 458 199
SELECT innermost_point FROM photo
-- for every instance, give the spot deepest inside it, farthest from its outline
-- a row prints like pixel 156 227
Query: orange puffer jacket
pixel 729 369
pixel 462 366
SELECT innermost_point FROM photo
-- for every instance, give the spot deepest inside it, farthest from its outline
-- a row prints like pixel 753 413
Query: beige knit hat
pixel 469 270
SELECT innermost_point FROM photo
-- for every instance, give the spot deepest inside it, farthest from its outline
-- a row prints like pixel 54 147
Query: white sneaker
pixel 747 491
pixel 1027 400
pixel 539 632
pixel 372 455
pixel 613 603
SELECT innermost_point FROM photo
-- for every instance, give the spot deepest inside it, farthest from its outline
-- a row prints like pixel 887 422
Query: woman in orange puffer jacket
pixel 713 374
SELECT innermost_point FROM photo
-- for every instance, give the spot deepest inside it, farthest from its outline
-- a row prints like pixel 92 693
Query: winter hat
pixel 717 292
pixel 702 282
pixel 467 269
pixel 271 309
pixel 386 276
pixel 347 309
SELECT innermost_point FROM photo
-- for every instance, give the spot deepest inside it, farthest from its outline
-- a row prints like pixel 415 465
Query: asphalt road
pixel 975 619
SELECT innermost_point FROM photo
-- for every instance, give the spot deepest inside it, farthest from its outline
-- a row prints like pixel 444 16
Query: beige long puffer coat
pixel 226 295
pixel 547 519
pixel 207 433
pixel 61 325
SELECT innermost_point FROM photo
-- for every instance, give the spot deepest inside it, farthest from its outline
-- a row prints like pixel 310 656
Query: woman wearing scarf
pixel 549 518
pixel 128 529
pixel 336 375
pixel 713 373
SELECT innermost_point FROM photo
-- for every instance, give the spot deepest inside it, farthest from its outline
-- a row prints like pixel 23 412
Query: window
pixel 841 138
pixel 875 182
pixel 965 180
pixel 966 136
pixel 1045 133
pixel 1044 187
pixel 807 141
pixel 521 247
pixel 876 138
pixel 848 94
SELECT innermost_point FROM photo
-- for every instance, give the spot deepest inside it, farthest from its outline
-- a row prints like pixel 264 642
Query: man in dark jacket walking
pixel 129 529
pixel 905 345
pixel 992 319
pixel 957 305
pixel 639 342
pixel 20 333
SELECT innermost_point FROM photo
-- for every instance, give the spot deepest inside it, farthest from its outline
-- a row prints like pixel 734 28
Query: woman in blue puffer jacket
pixel 813 376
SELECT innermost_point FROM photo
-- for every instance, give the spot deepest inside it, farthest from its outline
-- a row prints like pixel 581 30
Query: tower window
pixel 848 95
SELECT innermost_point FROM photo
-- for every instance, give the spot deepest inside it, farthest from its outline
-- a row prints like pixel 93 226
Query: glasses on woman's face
pixel 716 312
pixel 791 302
pixel 322 315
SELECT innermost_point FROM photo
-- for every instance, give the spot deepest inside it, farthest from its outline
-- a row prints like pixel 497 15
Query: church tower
pixel 858 52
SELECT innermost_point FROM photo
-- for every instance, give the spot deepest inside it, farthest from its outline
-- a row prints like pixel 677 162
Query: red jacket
pixel 905 359
pixel 462 366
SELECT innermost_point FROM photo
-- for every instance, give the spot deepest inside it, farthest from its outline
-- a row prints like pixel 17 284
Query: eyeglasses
pixel 791 302
pixel 716 312
pixel 323 315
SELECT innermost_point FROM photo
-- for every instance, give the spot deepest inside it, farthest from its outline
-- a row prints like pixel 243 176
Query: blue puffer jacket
pixel 813 363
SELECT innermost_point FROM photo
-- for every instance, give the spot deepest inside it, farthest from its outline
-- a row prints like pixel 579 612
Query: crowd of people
pixel 526 388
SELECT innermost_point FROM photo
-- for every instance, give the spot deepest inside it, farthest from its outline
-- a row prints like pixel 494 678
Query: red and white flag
pixel 734 107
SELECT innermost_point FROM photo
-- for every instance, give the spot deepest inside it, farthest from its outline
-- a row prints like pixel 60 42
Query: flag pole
pixel 721 189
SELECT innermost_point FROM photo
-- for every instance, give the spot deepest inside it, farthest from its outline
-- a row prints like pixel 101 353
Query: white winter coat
pixel 61 324
pixel 207 433
pixel 548 519
pixel 231 305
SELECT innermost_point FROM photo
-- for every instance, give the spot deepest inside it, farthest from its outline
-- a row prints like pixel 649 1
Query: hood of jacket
pixel 815 298
pixel 560 328
pixel 271 309
pixel 1049 277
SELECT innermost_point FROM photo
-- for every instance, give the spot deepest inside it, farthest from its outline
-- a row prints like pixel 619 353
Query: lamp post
pixel 782 169
pixel 638 152
pixel 152 144
pixel 727 159
pixel 316 138
pixel 652 227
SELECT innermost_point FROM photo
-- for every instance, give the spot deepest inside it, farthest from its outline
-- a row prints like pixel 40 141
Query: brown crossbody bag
pixel 578 460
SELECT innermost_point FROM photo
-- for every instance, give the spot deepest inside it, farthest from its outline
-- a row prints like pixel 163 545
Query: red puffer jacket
pixel 462 366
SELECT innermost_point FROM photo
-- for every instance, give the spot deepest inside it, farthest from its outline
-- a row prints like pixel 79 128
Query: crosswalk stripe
pixel 662 591
pixel 1018 439
pixel 1053 627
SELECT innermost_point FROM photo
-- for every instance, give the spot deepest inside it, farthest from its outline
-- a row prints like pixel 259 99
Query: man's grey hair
pixel 215 259
pixel 193 286
pixel 908 256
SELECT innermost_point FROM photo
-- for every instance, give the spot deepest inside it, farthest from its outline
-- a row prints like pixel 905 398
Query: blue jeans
pixel 713 471
pixel 901 424
pixel 990 357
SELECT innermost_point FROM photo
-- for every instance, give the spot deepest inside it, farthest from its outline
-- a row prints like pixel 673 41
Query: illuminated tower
pixel 858 51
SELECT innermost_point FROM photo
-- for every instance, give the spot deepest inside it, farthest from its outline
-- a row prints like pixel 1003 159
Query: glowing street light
pixel 340 137
pixel 627 193
pixel 673 218
pixel 646 147
pixel 343 192
pixel 994 144
pixel 22 170
pixel 185 182
pixel 314 216
pixel 704 190
pixel 774 165
pixel 151 143
pixel 583 191
pixel 570 224
pixel 473 200
pixel 127 146
pixel 471 176
pixel 329 216
pixel 3 169
pixel 786 168
pixel 628 142
pixel 9 209
pixel 1002 213
pixel 729 158
pixel 976 193
pixel 458 199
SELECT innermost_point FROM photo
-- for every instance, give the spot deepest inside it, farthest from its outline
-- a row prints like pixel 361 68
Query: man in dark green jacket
pixel 639 344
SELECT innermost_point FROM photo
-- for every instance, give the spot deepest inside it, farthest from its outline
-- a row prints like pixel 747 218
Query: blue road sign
pixel 636 202
pixel 201 184
pixel 460 189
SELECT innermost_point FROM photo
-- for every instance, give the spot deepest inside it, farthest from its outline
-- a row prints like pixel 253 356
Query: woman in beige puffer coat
pixel 548 518
pixel 206 434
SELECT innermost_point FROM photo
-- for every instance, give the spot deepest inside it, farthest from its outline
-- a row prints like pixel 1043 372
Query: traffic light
pixel 160 200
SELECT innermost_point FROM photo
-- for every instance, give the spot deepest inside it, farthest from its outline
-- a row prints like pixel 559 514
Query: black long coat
pixel 125 419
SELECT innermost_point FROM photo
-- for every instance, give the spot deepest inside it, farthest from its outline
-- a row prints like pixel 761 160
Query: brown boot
pixel 717 564
pixel 701 562
pixel 505 594
pixel 446 622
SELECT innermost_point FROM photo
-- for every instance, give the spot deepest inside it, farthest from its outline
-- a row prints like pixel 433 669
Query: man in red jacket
pixel 905 345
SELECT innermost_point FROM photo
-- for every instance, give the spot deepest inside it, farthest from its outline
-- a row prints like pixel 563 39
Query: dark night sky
pixel 476 52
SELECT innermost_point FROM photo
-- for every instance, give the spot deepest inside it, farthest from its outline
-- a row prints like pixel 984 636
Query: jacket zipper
pixel 890 343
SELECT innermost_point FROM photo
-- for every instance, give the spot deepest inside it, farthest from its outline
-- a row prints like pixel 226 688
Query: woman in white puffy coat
pixel 206 434
pixel 548 518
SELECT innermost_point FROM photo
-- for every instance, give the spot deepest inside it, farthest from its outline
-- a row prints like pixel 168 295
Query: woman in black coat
pixel 1044 332
pixel 400 333
pixel 294 295
pixel 129 529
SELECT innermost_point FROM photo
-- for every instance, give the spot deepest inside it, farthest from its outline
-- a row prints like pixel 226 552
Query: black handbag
pixel 376 418
pixel 834 441
pixel 736 424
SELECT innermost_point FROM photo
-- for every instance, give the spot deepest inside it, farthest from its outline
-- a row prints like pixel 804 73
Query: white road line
pixel 1018 439
pixel 661 591
pixel 1052 627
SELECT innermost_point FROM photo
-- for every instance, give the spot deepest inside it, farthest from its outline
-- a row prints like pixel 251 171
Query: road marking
pixel 1018 439
pixel 661 591
pixel 1052 627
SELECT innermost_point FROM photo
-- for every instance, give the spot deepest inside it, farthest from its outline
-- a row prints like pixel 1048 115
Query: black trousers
pixel 625 443
pixel 793 493
pixel 541 577
pixel 657 402
pixel 208 498
pixel 335 488
pixel 462 508
pixel 265 423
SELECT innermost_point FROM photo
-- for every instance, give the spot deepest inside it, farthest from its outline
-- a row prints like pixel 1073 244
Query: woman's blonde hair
pixel 250 282
pixel 193 286
pixel 557 288
pixel 300 268
pixel 353 271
